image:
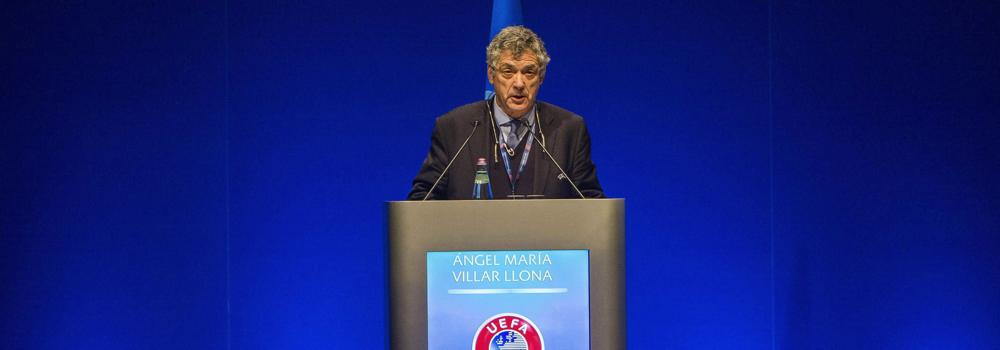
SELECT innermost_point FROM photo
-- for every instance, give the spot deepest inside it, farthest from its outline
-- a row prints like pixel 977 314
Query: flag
pixel 505 13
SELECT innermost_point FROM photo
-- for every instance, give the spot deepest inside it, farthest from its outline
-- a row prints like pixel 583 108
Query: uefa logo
pixel 508 331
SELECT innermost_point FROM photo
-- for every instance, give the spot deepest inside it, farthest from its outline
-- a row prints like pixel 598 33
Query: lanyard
pixel 524 160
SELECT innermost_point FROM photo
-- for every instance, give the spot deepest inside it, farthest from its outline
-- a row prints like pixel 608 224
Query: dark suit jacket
pixel 566 138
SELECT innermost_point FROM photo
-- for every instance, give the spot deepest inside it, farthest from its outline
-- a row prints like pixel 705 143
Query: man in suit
pixel 509 131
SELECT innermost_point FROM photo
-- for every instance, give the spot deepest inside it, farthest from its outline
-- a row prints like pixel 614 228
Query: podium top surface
pixel 501 202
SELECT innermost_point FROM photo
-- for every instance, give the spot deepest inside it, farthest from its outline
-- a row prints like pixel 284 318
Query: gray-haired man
pixel 511 129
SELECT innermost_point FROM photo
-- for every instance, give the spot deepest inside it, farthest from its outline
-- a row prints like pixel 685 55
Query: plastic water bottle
pixel 482 189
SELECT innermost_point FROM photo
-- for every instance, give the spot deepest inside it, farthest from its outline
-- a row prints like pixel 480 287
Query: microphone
pixel 562 173
pixel 475 125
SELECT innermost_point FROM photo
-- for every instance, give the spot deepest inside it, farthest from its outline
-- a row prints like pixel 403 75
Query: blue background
pixel 207 175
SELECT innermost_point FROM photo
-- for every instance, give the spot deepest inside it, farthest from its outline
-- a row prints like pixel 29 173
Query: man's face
pixel 515 81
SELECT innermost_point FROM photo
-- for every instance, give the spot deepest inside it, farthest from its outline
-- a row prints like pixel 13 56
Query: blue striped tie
pixel 514 138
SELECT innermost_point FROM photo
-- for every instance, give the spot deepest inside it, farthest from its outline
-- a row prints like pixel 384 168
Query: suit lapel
pixel 479 145
pixel 542 162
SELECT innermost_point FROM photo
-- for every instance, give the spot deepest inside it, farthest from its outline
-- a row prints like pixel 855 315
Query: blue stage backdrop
pixel 212 174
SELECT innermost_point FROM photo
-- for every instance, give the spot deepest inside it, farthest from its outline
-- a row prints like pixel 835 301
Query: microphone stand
pixel 561 171
pixel 475 125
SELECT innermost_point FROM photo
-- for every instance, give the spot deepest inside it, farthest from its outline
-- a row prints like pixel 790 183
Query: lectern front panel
pixel 509 299
pixel 426 237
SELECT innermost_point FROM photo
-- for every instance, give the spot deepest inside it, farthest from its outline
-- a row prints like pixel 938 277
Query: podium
pixel 557 227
